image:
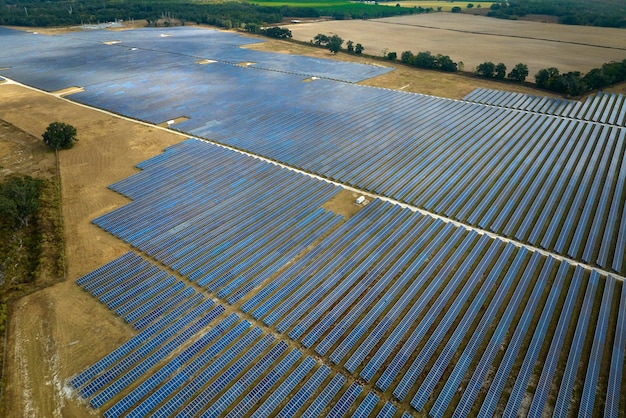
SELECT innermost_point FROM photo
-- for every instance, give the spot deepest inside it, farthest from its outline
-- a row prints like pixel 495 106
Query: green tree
pixel 19 199
pixel 518 73
pixel 358 49
pixel 570 83
pixel 60 135
pixel 596 79
pixel 444 63
pixel 470 5
pixel 391 56
pixel 407 57
pixel 545 78
pixel 350 46
pixel 486 69
pixel 276 32
pixel 321 39
pixel 456 9
pixel 424 60
pixel 334 44
pixel 253 28
pixel 500 71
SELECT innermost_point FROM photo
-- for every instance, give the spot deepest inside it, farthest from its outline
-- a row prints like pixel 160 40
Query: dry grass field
pixel 57 332
pixel 476 39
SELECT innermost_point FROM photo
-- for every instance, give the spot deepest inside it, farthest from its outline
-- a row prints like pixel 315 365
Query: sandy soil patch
pixel 57 332
pixel 476 39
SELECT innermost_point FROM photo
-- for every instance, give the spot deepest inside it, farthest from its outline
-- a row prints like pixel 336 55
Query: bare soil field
pixel 476 39
pixel 57 332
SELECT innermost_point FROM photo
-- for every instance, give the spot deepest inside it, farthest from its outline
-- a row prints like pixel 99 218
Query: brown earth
pixel 476 39
pixel 57 332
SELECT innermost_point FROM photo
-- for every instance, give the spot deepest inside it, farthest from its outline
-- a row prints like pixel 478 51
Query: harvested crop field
pixel 476 39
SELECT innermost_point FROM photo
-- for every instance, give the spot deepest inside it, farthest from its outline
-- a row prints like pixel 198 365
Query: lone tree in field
pixel 59 135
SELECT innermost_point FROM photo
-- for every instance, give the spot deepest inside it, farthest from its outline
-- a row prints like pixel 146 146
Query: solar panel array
pixel 433 316
pixel 87 58
pixel 225 220
pixel 553 182
pixel 607 108
pixel 419 308
pixel 195 357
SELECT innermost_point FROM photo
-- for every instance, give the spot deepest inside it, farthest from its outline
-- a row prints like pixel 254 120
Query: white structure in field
pixel 360 200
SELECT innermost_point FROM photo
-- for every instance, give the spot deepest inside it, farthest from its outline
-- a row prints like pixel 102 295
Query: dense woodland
pixel 607 13
pixel 222 14
pixel 611 13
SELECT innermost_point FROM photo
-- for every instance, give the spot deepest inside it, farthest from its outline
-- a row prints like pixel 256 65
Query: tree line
pixel 498 71
pixel 428 61
pixel 222 14
pixel 606 13
pixel 334 44
pixel 574 83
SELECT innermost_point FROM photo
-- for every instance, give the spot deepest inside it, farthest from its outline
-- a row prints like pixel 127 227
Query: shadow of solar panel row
pixel 608 108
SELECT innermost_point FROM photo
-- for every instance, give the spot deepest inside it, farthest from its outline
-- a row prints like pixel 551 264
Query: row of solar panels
pixel 498 168
pixel 413 304
pixel 196 360
pixel 608 108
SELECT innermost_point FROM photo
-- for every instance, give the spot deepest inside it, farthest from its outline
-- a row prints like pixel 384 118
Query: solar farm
pixel 482 276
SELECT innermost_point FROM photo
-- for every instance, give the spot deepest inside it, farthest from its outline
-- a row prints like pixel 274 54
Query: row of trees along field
pixel 498 71
pixel 334 44
pixel 606 13
pixel 574 83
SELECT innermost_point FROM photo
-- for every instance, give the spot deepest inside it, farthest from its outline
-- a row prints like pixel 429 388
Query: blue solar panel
pixel 282 392
pixel 613 393
pixel 423 137
pixel 181 375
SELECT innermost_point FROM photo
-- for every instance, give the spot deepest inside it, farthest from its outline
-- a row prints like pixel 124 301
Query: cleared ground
pixel 476 39
pixel 57 332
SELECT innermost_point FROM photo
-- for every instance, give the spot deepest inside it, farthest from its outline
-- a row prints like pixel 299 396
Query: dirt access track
pixel 476 39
